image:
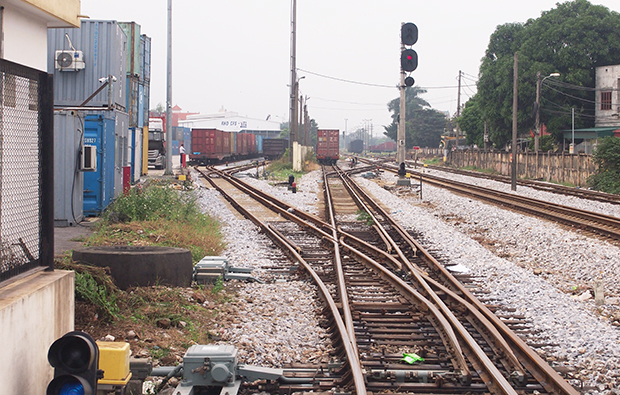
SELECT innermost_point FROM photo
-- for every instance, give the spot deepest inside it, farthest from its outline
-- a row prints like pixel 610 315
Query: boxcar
pixel 209 146
pixel 274 148
pixel 356 146
pixel 327 146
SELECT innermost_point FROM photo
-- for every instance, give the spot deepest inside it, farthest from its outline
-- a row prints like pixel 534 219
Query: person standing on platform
pixel 182 152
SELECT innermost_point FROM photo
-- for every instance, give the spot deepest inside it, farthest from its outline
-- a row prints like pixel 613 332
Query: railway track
pixel 605 226
pixel 538 185
pixel 385 296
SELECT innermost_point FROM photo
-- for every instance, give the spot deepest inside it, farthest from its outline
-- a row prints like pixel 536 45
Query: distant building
pixel 607 108
pixel 229 121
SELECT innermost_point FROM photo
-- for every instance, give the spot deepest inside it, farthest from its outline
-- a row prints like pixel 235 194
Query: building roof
pixel 593 133
pixel 229 121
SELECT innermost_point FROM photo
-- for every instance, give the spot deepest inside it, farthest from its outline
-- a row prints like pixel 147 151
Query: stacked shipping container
pixel 112 120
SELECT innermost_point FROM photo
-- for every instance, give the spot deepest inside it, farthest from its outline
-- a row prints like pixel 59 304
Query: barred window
pixel 606 100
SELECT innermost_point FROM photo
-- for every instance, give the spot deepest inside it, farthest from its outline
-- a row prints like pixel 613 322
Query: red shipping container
pixel 327 146
pixel 209 144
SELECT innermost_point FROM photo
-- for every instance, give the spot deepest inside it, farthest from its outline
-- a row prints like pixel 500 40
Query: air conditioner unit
pixel 89 158
pixel 69 60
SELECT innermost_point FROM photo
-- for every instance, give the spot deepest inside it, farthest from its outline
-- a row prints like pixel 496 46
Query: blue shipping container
pixel 187 139
pixel 99 130
pixel 145 49
pixel 141 103
pixel 259 144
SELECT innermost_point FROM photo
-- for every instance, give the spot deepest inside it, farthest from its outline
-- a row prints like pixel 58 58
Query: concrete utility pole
pixel 168 171
pixel 537 126
pixel 293 94
pixel 401 148
pixel 515 103
pixel 458 112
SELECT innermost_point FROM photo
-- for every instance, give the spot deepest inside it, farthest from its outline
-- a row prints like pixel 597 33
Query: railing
pixel 26 170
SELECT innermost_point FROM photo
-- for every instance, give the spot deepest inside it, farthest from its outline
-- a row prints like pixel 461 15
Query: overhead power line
pixel 375 85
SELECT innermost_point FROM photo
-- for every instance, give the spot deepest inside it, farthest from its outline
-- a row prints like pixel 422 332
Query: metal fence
pixel 26 170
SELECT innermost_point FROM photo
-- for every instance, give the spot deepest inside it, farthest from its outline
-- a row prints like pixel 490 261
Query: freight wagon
pixel 211 146
pixel 356 146
pixel 388 146
pixel 327 146
pixel 274 148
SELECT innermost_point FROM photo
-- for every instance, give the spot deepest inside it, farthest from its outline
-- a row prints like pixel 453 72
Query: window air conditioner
pixel 89 158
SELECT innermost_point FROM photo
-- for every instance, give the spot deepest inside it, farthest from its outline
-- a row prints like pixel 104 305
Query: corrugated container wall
pixel 103 44
pixel 132 31
pixel 68 179
pixel 145 55
pixel 132 100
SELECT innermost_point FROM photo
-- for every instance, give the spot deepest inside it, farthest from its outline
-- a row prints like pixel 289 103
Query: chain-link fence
pixel 26 170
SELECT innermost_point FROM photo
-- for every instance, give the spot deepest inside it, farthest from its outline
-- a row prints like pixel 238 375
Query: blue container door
pixel 99 185
pixel 132 154
pixel 187 139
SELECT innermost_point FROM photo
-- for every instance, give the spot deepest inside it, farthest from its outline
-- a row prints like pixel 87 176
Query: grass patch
pixel 433 161
pixel 159 216
pixel 365 217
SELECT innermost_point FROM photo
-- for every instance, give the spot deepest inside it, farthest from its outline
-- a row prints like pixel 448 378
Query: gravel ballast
pixel 543 271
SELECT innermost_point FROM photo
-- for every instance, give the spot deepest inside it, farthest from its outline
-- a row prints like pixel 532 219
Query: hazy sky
pixel 235 54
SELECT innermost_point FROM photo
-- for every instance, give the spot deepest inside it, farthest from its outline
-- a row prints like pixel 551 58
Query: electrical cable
pixel 571 96
pixel 77 170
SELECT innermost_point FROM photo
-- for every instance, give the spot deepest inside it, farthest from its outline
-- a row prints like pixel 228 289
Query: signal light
pixel 75 358
pixel 409 81
pixel 409 33
pixel 408 60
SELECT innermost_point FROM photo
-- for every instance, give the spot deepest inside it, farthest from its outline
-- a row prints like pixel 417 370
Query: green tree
pixel 572 39
pixel 471 122
pixel 423 125
pixel 607 159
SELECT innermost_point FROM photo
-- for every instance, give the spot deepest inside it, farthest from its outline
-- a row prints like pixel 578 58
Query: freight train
pixel 327 146
pixel 210 146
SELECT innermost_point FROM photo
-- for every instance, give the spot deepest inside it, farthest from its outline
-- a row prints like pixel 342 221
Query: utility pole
pixel 306 123
pixel 401 148
pixel 537 126
pixel 168 171
pixel 458 112
pixel 515 104
pixel 293 94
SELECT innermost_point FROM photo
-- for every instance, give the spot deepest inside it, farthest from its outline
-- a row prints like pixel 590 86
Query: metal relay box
pixel 206 365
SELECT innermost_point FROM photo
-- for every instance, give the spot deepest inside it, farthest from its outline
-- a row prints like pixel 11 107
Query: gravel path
pixel 543 271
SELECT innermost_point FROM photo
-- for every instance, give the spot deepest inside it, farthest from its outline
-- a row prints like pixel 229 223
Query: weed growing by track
pixel 163 321
pixel 159 215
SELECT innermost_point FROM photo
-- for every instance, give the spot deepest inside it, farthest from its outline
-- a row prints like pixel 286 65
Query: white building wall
pixel 25 39
pixel 608 80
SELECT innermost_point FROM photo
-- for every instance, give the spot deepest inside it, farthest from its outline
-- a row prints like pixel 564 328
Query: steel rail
pixel 423 278
pixel 600 223
pixel 350 351
pixel 550 378
pixel 539 185
pixel 342 287
pixel 495 376
pixel 544 373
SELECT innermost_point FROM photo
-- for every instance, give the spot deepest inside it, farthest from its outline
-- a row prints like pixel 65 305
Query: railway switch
pixel 217 366
pixel 209 268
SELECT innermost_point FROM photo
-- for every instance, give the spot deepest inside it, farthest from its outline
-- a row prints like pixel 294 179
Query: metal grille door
pixel 26 159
